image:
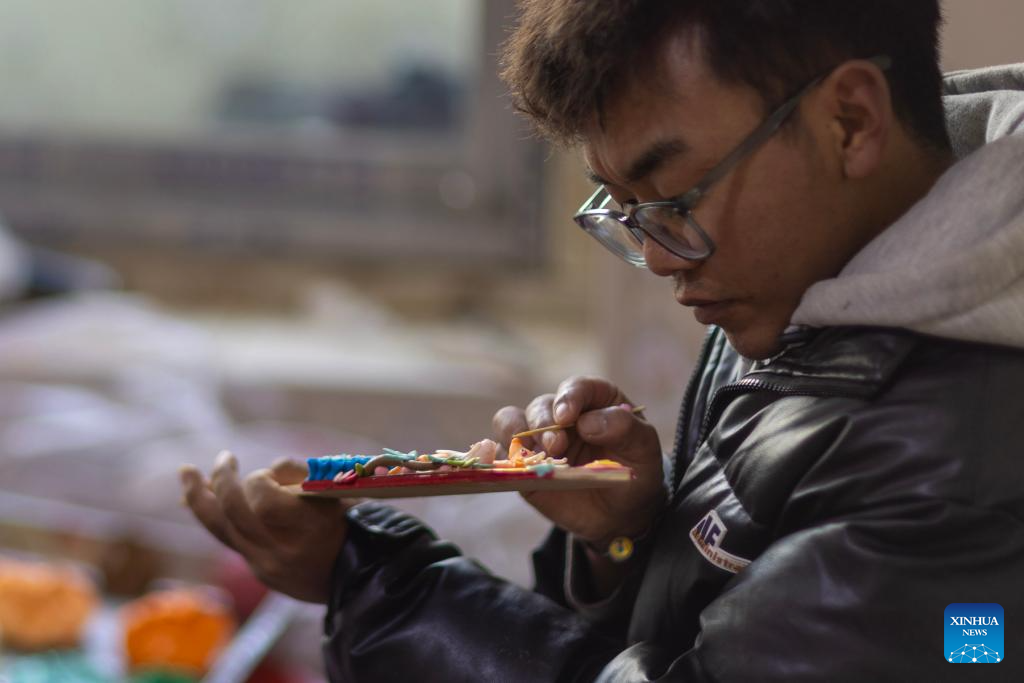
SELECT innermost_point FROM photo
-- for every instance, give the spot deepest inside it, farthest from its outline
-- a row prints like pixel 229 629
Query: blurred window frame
pixel 472 201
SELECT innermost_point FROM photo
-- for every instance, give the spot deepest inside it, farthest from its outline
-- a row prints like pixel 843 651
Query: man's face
pixel 780 220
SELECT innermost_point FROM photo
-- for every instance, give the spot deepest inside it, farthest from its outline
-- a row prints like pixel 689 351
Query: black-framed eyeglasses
pixel 672 223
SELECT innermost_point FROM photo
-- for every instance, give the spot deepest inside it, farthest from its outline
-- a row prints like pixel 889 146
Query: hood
pixel 953 265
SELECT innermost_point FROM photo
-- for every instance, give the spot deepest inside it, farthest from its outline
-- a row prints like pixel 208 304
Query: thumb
pixel 621 432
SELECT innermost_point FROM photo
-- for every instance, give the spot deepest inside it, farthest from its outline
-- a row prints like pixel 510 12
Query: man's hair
pixel 568 57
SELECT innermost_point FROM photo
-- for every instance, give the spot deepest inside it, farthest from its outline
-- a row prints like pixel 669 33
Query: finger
pixel 538 411
pixel 555 443
pixel 540 414
pixel 206 509
pixel 617 429
pixel 287 471
pixel 577 395
pixel 506 422
pixel 232 500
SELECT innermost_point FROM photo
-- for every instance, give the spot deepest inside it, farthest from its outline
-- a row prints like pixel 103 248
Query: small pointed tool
pixel 555 428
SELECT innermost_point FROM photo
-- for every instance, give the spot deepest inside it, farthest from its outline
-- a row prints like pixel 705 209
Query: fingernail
pixel 561 413
pixel 228 458
pixel 625 406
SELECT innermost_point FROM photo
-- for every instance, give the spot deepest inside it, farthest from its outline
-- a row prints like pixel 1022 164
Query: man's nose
pixel 663 262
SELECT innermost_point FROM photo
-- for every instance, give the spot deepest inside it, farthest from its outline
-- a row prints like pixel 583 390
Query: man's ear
pixel 859 106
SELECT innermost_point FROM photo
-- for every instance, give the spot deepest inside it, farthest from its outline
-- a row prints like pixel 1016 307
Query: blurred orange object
pixel 180 630
pixel 43 606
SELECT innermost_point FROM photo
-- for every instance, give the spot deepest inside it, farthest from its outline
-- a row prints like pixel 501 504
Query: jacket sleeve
pixel 407 606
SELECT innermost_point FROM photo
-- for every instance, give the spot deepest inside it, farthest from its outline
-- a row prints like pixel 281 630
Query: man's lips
pixel 693 302
pixel 707 311
pixel 707 308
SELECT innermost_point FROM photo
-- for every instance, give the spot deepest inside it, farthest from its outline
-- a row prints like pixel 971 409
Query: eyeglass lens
pixel 615 235
pixel 676 231
pixel 673 229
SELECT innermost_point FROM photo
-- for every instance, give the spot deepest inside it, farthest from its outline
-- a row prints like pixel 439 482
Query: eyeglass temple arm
pixel 759 136
pixel 763 132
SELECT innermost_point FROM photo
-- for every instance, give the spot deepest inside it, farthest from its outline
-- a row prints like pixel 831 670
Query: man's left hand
pixel 290 542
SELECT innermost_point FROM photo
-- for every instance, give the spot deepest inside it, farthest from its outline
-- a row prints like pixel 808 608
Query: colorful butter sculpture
pixel 177 630
pixel 397 474
pixel 344 469
pixel 43 606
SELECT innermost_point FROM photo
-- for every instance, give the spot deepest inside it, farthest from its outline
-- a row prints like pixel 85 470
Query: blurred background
pixel 288 232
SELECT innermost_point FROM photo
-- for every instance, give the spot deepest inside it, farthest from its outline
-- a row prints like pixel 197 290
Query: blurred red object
pixel 233 575
pixel 271 672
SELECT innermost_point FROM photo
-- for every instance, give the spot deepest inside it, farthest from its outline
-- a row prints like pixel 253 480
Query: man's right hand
pixel 605 429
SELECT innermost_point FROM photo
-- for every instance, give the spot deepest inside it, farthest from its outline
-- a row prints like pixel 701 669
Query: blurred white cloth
pixel 103 397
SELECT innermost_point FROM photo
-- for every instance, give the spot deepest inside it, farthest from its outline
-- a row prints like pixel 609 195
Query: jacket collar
pixel 849 360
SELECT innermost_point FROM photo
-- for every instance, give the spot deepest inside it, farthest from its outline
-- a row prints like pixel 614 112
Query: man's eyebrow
pixel 648 162
pixel 596 179
pixel 654 158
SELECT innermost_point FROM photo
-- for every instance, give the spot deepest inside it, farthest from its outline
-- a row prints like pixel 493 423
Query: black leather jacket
pixel 826 507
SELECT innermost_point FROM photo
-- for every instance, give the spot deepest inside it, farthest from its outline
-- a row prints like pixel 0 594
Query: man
pixel 847 461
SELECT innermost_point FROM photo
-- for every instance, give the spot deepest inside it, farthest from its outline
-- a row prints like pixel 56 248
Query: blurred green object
pixel 72 667
pixel 54 667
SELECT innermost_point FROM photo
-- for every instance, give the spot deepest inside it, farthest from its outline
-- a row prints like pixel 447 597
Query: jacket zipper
pixel 715 406
pixel 679 447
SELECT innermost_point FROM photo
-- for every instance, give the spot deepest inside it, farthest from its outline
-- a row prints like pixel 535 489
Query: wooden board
pixel 462 482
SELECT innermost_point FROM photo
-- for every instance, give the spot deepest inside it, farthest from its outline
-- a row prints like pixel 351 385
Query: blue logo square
pixel 974 633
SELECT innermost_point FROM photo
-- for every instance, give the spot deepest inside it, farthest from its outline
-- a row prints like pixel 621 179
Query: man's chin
pixel 754 344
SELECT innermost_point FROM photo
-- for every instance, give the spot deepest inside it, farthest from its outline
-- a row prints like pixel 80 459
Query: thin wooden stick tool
pixel 555 428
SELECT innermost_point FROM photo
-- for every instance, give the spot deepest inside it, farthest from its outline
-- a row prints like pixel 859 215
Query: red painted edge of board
pixel 398 480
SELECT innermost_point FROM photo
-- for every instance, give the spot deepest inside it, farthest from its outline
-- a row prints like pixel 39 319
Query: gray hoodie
pixel 953 265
